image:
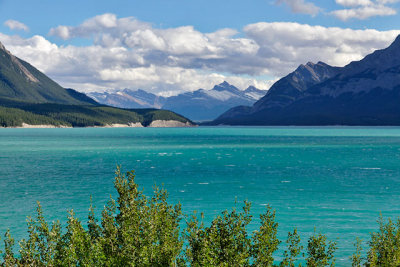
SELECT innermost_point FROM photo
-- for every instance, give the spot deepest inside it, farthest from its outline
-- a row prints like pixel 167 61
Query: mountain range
pixel 199 105
pixel 365 92
pixel 29 97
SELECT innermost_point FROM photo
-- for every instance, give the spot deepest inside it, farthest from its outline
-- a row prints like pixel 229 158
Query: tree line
pixel 16 113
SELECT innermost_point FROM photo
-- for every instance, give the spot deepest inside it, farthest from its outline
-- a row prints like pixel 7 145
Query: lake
pixel 336 179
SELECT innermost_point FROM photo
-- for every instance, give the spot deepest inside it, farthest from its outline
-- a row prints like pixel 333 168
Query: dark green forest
pixel 14 113
pixel 137 230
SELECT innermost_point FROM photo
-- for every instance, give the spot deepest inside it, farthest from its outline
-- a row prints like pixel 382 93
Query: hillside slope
pixel 21 81
pixel 27 96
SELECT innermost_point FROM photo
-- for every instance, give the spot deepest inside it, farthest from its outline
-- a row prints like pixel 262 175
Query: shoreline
pixel 153 124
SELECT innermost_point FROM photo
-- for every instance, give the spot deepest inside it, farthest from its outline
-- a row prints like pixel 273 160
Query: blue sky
pixel 168 46
pixel 205 15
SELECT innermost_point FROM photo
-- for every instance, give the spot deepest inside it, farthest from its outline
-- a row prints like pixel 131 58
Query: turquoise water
pixel 337 179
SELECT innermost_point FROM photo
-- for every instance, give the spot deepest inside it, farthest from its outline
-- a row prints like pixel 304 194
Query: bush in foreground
pixel 135 230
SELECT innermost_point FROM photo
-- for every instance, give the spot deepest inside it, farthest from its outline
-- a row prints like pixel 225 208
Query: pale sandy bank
pixel 119 125
pixel 25 125
pixel 170 123
pixel 154 124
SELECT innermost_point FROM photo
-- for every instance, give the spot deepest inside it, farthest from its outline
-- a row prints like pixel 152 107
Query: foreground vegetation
pixel 135 230
pixel 14 113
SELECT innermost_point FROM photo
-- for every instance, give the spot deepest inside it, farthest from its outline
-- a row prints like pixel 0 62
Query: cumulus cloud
pixel 364 12
pixel 16 25
pixel 127 53
pixel 101 24
pixel 364 9
pixel 301 6
pixel 284 45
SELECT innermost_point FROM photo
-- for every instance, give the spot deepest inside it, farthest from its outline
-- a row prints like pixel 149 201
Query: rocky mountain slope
pixel 199 105
pixel 21 81
pixel 28 97
pixel 365 92
pixel 129 99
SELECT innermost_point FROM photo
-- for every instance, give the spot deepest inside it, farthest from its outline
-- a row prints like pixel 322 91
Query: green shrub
pixel 293 249
pixel 224 243
pixel 384 246
pixel 319 251
pixel 136 230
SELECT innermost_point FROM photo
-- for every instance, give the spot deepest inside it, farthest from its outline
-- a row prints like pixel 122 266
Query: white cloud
pixel 127 53
pixel 283 45
pixel 16 25
pixel 106 23
pixel 182 46
pixel 387 1
pixel 301 6
pixel 364 12
pixel 354 2
pixel 364 9
pixel 61 31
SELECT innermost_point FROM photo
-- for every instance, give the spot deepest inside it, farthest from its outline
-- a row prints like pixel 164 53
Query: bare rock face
pixel 293 86
pixel 29 76
pixel 20 81
pixel 121 125
pixel 169 123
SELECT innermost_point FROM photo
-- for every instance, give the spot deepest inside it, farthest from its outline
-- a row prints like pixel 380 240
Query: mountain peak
pixel 225 86
pixel 379 60
pixel 310 64
pixel 393 49
pixel 364 92
pixel 2 47
pixel 28 75
pixel 320 63
pixel 251 88
pixel 316 72
pixel 396 42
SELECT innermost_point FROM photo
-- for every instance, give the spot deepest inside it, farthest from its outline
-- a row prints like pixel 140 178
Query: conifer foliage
pixel 136 230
